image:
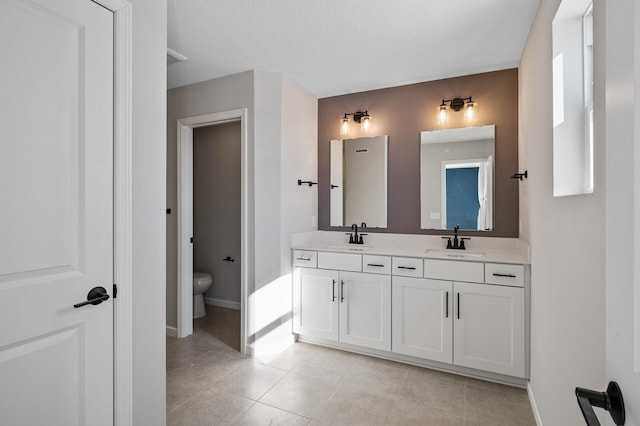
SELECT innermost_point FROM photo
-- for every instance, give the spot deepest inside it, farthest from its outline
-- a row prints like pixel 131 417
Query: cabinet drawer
pixel 305 258
pixel 504 274
pixel 376 264
pixel 407 267
pixel 340 261
pixel 451 270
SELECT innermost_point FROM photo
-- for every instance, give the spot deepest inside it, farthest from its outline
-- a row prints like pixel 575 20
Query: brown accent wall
pixel 402 113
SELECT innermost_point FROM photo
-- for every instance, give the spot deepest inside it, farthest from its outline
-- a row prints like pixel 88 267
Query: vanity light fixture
pixel 457 104
pixel 359 117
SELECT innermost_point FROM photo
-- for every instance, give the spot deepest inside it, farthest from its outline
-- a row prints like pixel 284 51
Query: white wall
pixel 149 168
pixel 566 236
pixel 282 136
pixel 221 94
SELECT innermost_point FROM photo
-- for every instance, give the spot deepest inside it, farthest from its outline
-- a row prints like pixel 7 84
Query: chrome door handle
pixel 96 296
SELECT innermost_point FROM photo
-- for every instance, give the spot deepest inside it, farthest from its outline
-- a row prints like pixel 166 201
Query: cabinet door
pixel 365 310
pixel 422 319
pixel 489 328
pixel 315 303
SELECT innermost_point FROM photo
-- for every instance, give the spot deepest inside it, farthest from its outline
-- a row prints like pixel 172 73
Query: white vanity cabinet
pixel 489 328
pixel 423 318
pixel 315 306
pixel 342 305
pixel 365 310
pixel 436 312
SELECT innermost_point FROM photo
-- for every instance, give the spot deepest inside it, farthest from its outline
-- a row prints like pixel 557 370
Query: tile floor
pixel 210 383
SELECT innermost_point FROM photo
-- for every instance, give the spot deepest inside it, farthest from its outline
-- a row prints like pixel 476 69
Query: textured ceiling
pixel 333 47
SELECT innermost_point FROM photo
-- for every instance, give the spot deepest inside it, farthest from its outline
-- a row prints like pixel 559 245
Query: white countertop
pixel 479 249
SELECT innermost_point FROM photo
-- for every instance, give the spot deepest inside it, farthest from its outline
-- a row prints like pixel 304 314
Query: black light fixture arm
pixel 357 116
pixel 456 104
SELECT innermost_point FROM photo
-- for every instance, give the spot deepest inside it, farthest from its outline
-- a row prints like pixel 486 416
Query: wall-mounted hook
pixel 228 259
pixel 520 176
pixel 300 182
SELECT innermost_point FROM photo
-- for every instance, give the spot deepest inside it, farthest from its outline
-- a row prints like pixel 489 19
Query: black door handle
pixel 96 296
pixel 611 400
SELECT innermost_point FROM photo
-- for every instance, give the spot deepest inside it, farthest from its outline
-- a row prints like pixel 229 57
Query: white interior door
pixel 622 207
pixel 56 212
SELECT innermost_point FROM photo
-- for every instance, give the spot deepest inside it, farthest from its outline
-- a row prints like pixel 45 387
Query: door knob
pixel 96 296
pixel 611 400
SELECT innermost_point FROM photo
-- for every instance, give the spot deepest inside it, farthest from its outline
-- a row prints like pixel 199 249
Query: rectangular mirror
pixel 359 182
pixel 456 178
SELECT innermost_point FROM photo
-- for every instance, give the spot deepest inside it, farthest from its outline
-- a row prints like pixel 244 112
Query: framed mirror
pixel 457 178
pixel 358 182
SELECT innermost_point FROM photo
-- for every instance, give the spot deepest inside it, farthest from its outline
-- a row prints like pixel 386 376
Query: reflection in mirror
pixel 456 178
pixel 359 182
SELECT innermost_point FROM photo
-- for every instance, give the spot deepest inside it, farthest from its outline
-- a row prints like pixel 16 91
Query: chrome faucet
pixel 458 243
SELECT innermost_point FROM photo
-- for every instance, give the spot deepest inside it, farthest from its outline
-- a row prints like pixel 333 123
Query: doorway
pixel 186 220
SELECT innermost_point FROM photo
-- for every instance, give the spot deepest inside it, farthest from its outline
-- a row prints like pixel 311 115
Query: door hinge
pixel 191 240
pixel 115 291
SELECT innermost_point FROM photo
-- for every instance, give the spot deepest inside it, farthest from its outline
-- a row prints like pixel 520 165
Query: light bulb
pixel 344 127
pixel 365 123
pixel 442 114
pixel 470 110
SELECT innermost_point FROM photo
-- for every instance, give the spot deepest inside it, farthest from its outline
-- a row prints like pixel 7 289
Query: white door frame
pixel 185 218
pixel 123 211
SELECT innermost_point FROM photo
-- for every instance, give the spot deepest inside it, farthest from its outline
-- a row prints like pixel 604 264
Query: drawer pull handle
pixel 377 265
pixel 333 290
pixel 447 306
pixel 496 274
pixel 306 259
pixel 341 291
pixel 407 267
pixel 458 305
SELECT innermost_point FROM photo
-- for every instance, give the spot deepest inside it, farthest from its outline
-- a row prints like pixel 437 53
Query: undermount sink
pixel 457 254
pixel 351 247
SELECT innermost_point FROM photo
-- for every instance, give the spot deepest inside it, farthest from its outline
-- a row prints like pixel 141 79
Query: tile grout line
pixel 397 397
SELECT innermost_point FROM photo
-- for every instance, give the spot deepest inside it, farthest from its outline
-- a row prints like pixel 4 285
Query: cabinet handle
pixel 458 305
pixel 447 305
pixel 341 291
pixel 377 265
pixel 303 258
pixel 333 290
pixel 496 274
pixel 407 267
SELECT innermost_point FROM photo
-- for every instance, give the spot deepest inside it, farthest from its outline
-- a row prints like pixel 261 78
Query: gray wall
pixel 216 207
pixel 566 237
pixel 149 111
pixel 402 113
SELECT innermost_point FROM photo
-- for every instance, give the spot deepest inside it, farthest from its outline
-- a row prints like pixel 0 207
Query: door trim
pixel 185 219
pixel 123 211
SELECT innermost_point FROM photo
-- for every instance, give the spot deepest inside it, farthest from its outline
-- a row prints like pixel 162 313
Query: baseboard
pixel 534 406
pixel 222 303
pixel 172 331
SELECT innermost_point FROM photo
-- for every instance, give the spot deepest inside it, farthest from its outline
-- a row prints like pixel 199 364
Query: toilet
pixel 201 283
